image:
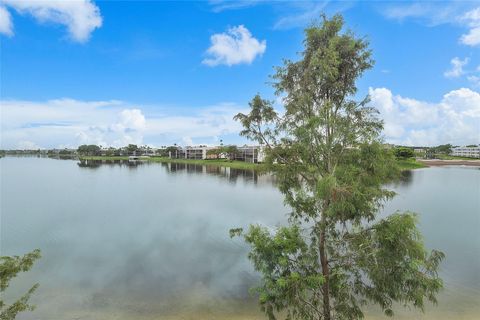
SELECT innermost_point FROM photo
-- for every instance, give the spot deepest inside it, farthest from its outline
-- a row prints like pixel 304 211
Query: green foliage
pixel 335 255
pixel 89 150
pixel 409 164
pixel 288 265
pixel 171 149
pixel 403 152
pixel 215 151
pixel 110 152
pixel 406 274
pixel 65 152
pixel 230 150
pixel 235 232
pixel 9 268
pixel 442 149
pixel 131 148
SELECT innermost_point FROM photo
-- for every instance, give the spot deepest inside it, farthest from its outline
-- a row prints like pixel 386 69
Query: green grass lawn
pixel 217 162
pixel 409 164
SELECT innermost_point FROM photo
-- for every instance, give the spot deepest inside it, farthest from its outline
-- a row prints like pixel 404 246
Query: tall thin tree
pixel 336 254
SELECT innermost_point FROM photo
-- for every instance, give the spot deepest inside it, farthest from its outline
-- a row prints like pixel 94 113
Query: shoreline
pixel 404 164
pixel 408 164
pixel 439 163
pixel 235 164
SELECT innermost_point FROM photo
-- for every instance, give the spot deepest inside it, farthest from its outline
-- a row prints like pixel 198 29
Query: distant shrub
pixel 403 152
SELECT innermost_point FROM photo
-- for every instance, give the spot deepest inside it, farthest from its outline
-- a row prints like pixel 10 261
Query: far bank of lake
pixel 405 164
pixel 217 162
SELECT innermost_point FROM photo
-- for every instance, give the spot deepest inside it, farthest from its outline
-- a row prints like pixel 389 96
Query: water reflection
pixel 232 175
pixel 405 179
pixel 147 242
pixel 86 163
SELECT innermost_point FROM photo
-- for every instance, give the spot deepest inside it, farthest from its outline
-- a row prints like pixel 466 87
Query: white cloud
pixel 472 19
pixel 472 38
pixel 202 126
pixel 27 145
pixel 131 118
pixel 235 46
pixel 455 119
pixel 288 14
pixel 433 13
pixel 6 25
pixel 187 141
pixel 402 12
pixel 81 17
pixel 463 13
pixel 457 68
pixel 69 123
pixel 223 5
pixel 474 80
pixel 128 128
pixel 300 14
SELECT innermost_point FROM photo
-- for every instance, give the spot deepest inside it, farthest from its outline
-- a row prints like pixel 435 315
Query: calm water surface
pixel 150 241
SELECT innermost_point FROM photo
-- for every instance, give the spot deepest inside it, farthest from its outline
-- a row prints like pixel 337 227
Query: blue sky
pixel 158 72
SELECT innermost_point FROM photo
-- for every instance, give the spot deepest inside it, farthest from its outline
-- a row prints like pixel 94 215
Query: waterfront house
pixel 245 153
pixel 193 153
pixel 254 154
pixel 469 152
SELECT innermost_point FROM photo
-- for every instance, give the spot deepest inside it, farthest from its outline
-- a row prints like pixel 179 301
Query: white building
pixel 470 152
pixel 193 153
pixel 245 153
pixel 253 154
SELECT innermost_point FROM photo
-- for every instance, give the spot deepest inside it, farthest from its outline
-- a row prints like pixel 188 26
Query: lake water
pixel 150 241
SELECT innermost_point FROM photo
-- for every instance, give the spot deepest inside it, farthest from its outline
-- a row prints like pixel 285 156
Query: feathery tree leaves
pixel 9 268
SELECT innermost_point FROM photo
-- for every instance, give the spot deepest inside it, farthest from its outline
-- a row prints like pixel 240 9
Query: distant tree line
pixel 442 149
pixel 230 151
pixel 131 149
pixel 404 152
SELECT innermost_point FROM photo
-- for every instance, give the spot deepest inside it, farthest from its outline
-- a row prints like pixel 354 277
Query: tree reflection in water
pixel 93 164
pixel 232 175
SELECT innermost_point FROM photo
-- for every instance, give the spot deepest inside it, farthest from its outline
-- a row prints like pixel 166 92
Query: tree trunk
pixel 325 272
